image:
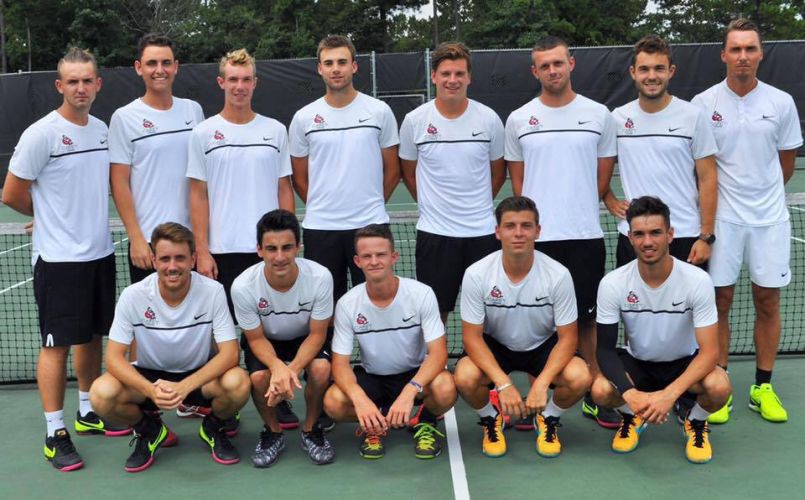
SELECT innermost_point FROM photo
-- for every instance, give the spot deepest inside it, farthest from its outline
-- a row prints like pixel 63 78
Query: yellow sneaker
pixel 548 444
pixel 494 444
pixel 722 416
pixel 628 436
pixel 698 450
pixel 764 400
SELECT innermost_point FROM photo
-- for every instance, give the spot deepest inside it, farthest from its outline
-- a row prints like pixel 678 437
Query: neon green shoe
pixel 764 400
pixel 722 416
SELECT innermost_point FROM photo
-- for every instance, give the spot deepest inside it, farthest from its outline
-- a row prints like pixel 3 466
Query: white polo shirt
pixel 153 143
pixel 560 148
pixel 69 167
pixel 242 166
pixel 453 175
pixel 750 131
pixel 523 315
pixel 661 321
pixel 656 157
pixel 345 165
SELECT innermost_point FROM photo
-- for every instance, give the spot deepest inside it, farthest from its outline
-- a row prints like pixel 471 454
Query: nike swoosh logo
pixel 103 141
pixel 674 129
pixel 766 117
pixel 267 138
pixel 305 303
pixel 540 298
pixel 200 315
pixel 408 318
pixel 582 123
pixel 188 123
pixel 674 304
pixel 476 134
pixel 363 120
pixel 784 275
pixel 590 310
pixel 152 445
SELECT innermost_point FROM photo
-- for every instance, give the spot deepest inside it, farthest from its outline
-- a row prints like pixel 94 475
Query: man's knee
pixel 336 403
pixel 318 372
pixel 468 376
pixel 443 389
pixel 260 379
pixel 602 391
pixel 104 393
pixel 235 382
pixel 576 376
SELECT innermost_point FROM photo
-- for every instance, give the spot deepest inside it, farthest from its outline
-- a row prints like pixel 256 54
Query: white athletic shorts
pixel 765 249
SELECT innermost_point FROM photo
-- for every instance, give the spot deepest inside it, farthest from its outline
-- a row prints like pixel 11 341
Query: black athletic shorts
pixel 135 273
pixel 680 248
pixel 285 349
pixel 531 362
pixel 230 265
pixel 586 261
pixel 195 398
pixel 650 376
pixel 76 300
pixel 335 251
pixel 442 260
pixel 383 390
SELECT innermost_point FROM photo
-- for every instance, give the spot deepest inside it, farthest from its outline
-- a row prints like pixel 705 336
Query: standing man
pixel 665 149
pixel 148 150
pixel 239 169
pixel 451 152
pixel 175 315
pixel 59 172
pixel 519 313
pixel 668 307
pixel 561 146
pixel 403 352
pixel 757 130
pixel 284 305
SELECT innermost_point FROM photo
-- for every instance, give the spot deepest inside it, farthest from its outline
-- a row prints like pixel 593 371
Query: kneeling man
pixel 669 309
pixel 174 315
pixel 518 313
pixel 403 352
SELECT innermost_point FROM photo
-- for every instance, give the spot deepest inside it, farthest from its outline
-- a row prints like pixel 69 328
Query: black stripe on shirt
pixel 183 327
pixel 340 129
pixel 407 327
pixel 503 306
pixel 453 142
pixel 242 146
pixel 269 313
pixel 560 131
pixel 654 135
pixel 79 152
pixel 155 134
pixel 661 311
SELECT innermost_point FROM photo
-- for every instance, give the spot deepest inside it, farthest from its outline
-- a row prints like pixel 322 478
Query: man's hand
pixel 537 398
pixel 511 402
pixel 370 418
pixel 141 254
pixel 699 253
pixel 283 383
pixel 637 400
pixel 168 395
pixel 206 265
pixel 658 407
pixel 400 411
pixel 616 207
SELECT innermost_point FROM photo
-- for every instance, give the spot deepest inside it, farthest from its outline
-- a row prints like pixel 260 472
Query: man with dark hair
pixel 60 172
pixel 757 131
pixel 666 149
pixel 519 313
pixel 669 311
pixel 148 151
pixel 561 146
pixel 451 152
pixel 175 315
pixel 284 305
pixel 403 352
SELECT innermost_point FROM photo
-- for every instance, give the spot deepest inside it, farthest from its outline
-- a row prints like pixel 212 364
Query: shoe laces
pixel 700 430
pixel 424 435
pixel 371 440
pixel 626 425
pixel 64 444
pixel 490 427
pixel 551 424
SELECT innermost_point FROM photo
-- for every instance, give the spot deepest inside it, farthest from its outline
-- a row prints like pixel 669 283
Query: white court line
pixel 14 249
pixel 12 287
pixel 461 490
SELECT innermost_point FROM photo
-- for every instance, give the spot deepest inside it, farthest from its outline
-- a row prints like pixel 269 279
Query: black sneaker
pixel 212 432
pixel 317 446
pixel 91 423
pixel 325 422
pixel 59 450
pixel 286 417
pixel 232 425
pixel 427 440
pixel 605 417
pixel 149 435
pixel 268 448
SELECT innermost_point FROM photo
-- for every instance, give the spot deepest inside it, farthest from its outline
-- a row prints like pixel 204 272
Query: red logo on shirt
pixel 149 314
pixel 262 304
pixel 432 130
pixel 66 140
pixel 496 293
pixel 147 124
pixel 632 298
pixel 361 320
pixel 318 119
pixel 533 121
pixel 629 123
pixel 716 116
pixel 219 136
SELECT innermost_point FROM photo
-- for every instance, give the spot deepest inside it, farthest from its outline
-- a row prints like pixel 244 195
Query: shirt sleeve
pixel 285 155
pixel 608 142
pixel 432 326
pixel 121 149
pixel 564 300
pixel 122 330
pixel 196 159
pixel 473 309
pixel 607 303
pixel 497 133
pixel 323 302
pixel 704 142
pixel 703 301
pixel 31 155
pixel 790 133
pixel 297 140
pixel 513 148
pixel 388 128
pixel 223 329
pixel 198 113
pixel 343 335
pixel 245 310
pixel 408 148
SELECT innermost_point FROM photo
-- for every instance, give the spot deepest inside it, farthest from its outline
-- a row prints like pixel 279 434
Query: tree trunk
pixel 3 61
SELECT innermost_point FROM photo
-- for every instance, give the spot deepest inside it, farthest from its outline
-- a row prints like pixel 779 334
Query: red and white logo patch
pixel 533 121
pixel 361 319
pixel 629 124
pixel 432 130
pixel 632 298
pixel 262 304
pixel 717 117
pixel 318 120
pixel 495 293
pixel 147 124
pixel 66 140
pixel 149 314
pixel 218 136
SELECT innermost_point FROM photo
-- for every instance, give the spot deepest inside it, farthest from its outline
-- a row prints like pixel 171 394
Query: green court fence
pixel 20 339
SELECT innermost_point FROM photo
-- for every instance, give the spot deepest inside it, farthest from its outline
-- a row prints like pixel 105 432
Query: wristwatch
pixel 708 238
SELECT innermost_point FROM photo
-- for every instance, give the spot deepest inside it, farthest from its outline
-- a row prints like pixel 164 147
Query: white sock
pixel 487 411
pixel 55 421
pixel 698 413
pixel 625 410
pixel 84 406
pixel 552 409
